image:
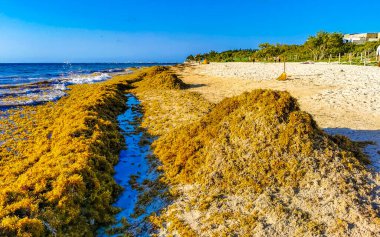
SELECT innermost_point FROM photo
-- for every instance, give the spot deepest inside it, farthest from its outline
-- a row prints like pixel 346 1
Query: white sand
pixel 343 99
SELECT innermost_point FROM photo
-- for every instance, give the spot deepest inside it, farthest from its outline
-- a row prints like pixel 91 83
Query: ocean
pixel 36 83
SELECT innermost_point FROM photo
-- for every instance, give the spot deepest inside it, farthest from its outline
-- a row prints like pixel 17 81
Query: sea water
pixel 133 162
pixel 35 83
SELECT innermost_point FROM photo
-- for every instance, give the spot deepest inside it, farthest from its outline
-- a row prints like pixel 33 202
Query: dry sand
pixel 343 99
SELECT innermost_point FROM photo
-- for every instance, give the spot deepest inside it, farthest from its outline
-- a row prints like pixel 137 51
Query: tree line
pixel 318 48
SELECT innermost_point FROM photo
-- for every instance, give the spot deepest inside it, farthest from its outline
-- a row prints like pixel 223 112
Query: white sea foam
pixel 51 90
pixel 86 79
pixel 60 86
pixel 33 98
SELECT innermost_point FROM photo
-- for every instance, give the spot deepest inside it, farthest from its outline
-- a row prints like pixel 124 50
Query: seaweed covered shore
pixel 256 165
pixel 57 162
pixel 253 164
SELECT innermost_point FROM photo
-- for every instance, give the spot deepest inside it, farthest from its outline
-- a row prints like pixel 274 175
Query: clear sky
pixel 166 30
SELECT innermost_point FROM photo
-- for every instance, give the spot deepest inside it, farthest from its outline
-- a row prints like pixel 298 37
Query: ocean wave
pixel 33 87
pixel 60 86
pixel 32 98
pixel 44 91
pixel 9 77
pixel 88 79
pixel 115 70
pixel 18 92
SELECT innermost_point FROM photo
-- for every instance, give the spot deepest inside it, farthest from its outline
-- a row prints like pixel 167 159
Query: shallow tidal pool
pixel 131 172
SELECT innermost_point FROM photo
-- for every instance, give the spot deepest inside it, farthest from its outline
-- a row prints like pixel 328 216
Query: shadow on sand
pixel 362 135
pixel 196 85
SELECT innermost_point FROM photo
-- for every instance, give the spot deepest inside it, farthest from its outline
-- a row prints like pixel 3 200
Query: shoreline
pixel 41 83
pixel 212 157
pixel 60 156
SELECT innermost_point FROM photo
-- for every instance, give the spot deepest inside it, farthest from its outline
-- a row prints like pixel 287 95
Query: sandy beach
pixel 343 99
pixel 182 119
pixel 255 161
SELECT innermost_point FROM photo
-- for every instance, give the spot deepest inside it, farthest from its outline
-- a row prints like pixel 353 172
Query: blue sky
pixel 166 31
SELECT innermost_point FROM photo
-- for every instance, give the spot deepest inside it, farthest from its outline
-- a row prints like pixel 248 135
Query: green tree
pixel 324 43
pixel 198 57
pixel 190 58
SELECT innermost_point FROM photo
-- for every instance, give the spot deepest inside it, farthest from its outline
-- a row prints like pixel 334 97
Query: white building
pixel 361 38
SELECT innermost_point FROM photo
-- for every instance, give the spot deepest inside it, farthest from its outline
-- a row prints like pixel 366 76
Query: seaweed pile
pixel 57 159
pixel 251 165
pixel 56 163
pixel 255 164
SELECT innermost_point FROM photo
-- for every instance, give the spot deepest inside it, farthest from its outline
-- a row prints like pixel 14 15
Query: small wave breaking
pixel 32 84
pixel 86 79
pixel 45 91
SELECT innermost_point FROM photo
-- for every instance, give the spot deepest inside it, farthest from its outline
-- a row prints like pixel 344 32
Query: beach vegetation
pixel 319 47
pixel 324 44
